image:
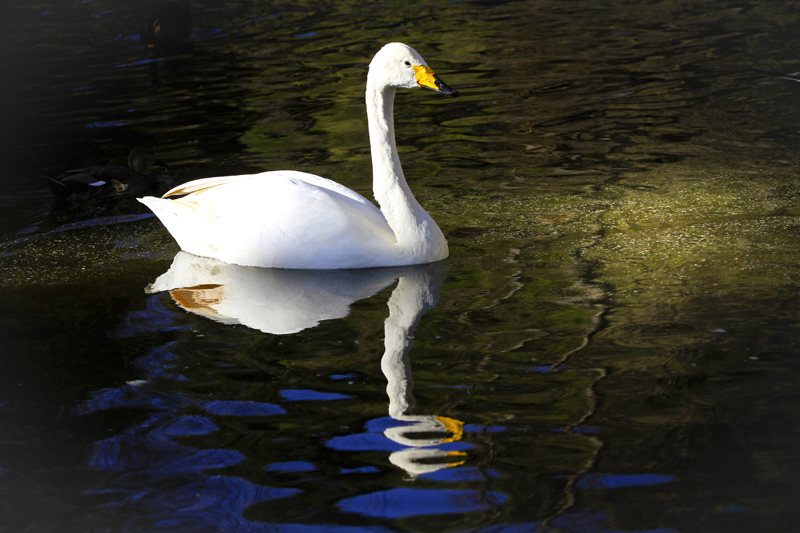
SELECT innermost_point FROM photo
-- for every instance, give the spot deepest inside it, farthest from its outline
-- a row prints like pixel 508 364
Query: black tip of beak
pixel 444 88
pixel 159 163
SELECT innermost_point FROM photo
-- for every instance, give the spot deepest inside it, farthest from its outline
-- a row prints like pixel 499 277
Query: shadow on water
pixel 611 346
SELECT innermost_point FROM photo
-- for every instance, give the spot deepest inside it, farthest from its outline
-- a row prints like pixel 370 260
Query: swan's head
pixel 399 65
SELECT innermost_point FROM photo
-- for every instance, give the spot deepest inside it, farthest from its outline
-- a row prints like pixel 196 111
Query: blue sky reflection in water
pixel 611 346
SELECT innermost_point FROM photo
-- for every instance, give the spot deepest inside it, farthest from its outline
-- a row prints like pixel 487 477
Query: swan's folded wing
pixel 317 181
pixel 204 183
pixel 283 219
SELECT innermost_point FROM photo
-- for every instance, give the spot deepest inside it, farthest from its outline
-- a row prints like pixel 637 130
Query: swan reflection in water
pixel 281 302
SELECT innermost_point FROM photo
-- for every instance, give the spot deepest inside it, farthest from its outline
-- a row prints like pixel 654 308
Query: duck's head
pixel 398 65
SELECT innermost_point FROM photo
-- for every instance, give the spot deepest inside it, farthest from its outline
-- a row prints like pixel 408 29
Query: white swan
pixel 289 219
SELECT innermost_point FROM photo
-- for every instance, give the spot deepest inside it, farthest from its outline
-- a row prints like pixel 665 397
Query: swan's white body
pixel 290 219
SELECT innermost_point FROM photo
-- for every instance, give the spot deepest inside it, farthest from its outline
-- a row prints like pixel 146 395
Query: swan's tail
pixel 192 231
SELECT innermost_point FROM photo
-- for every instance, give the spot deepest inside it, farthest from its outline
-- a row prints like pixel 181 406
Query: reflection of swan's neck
pixel 409 301
pixel 413 228
pixel 416 292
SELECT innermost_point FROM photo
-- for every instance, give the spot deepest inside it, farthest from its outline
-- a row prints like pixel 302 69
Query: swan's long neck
pixel 414 229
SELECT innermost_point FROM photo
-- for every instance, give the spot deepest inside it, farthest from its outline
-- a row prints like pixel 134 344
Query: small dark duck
pixel 106 182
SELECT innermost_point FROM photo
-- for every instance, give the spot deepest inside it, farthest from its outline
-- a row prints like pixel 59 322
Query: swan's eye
pixel 407 63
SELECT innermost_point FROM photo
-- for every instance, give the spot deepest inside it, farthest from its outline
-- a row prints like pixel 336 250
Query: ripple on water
pixel 402 502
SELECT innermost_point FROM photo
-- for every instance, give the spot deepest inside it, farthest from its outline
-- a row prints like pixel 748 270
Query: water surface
pixel 610 347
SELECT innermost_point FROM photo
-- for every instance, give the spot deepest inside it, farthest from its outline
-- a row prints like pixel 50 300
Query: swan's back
pixel 304 221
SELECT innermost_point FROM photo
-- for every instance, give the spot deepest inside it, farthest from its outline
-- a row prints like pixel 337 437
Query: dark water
pixel 612 346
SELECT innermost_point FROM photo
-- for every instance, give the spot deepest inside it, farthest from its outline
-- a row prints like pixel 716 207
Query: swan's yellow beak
pixel 428 80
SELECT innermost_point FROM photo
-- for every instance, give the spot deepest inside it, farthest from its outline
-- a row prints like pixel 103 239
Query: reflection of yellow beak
pixel 425 77
pixel 453 426
pixel 457 463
